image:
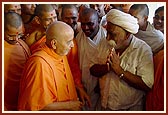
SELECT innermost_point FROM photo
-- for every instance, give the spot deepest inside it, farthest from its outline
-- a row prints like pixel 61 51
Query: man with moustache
pixel 92 49
pixel 129 72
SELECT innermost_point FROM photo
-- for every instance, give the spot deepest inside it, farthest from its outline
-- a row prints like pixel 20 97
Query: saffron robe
pixel 46 79
pixel 15 57
pixel 155 98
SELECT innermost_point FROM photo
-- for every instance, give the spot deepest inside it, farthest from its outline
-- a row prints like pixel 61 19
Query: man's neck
pixel 145 26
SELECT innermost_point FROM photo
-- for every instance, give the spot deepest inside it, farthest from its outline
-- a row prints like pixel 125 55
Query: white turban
pixel 124 20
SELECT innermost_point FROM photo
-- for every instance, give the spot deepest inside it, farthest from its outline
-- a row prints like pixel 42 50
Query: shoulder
pixel 38 59
pixel 140 44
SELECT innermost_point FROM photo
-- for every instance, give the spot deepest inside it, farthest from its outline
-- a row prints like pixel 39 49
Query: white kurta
pixel 154 38
pixel 92 52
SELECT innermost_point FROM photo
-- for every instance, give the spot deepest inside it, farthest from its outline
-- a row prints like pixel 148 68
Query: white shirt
pixel 137 59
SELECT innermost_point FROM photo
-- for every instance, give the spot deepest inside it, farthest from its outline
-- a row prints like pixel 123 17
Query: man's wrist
pixel 121 73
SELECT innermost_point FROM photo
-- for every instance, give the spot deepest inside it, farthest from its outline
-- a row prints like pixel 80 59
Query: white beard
pixel 112 43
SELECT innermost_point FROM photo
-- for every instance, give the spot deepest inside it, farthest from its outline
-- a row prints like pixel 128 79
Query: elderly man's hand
pixel 114 61
pixel 84 96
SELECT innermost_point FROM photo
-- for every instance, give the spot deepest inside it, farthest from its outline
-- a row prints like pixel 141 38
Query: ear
pixel 54 44
pixel 128 34
pixel 145 18
pixel 37 19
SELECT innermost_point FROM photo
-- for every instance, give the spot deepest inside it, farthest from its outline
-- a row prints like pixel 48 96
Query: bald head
pixel 43 8
pixel 66 7
pixel 141 8
pixel 57 30
pixel 12 8
pixel 12 19
pixel 60 37
pixel 88 12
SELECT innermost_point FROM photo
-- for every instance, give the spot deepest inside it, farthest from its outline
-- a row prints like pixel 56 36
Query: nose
pixel 52 20
pixel 72 44
pixel 33 6
pixel 159 20
pixel 70 21
pixel 86 27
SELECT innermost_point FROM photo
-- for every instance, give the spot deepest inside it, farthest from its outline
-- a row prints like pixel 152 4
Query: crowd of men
pixel 83 57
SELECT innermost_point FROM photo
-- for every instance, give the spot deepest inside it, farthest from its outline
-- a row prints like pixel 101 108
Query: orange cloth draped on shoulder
pixel 74 64
pixel 155 98
pixel 34 46
pixel 46 79
pixel 15 57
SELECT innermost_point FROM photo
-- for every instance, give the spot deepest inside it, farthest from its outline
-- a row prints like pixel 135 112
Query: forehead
pixel 88 18
pixel 110 26
pixel 113 28
pixel 136 13
pixel 70 12
pixel 13 6
pixel 28 5
pixel 49 14
pixel 13 30
pixel 160 13
pixel 133 12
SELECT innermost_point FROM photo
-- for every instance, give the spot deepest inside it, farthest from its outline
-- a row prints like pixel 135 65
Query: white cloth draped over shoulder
pixel 91 52
pixel 154 38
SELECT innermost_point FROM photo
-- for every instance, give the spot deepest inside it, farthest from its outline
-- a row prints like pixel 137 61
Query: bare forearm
pixel 134 80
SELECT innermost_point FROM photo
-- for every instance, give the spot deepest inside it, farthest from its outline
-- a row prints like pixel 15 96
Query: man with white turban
pixel 128 73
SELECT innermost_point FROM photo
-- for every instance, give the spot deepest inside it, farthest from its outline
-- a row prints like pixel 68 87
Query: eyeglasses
pixel 157 17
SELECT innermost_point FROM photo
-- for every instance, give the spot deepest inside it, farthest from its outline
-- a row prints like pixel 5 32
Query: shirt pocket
pixel 130 65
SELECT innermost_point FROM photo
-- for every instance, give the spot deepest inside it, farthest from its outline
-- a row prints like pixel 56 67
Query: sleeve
pixel 36 87
pixel 146 67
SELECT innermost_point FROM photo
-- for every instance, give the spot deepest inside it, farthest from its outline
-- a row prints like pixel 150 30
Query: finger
pixel 83 101
pixel 113 50
pixel 109 61
pixel 89 103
